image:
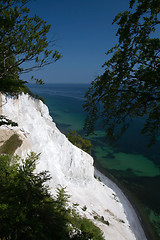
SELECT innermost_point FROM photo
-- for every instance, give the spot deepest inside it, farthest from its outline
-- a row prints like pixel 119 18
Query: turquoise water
pixel 134 165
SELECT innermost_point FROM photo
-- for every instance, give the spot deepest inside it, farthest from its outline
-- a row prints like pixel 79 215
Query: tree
pixel 28 210
pixel 130 85
pixel 23 44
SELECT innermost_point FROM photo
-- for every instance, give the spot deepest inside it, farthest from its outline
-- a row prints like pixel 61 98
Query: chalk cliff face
pixel 68 165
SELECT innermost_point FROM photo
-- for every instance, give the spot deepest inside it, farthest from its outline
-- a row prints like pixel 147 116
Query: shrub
pixel 80 142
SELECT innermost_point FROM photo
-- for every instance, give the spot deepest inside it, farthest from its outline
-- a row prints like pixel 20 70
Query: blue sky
pixel 83 31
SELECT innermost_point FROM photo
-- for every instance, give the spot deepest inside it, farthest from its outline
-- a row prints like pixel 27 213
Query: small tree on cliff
pixel 23 39
pixel 130 85
pixel 80 142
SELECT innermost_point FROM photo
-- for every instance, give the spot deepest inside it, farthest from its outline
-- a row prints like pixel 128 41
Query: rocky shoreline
pixel 137 224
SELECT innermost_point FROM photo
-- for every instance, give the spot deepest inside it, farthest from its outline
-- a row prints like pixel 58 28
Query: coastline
pixel 136 229
pixel 134 219
pixel 132 204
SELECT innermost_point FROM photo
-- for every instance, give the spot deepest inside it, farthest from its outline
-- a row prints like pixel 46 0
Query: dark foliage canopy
pixel 130 85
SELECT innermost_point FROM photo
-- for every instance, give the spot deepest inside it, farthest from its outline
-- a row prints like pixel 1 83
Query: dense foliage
pixel 23 44
pixel 28 211
pixel 80 142
pixel 130 85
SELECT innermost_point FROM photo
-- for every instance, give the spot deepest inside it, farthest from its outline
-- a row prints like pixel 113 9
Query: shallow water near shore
pixel 134 165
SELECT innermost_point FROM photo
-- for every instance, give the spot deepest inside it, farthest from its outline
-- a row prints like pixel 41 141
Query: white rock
pixel 68 165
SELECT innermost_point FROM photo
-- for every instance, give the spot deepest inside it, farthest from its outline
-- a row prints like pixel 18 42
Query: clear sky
pixel 83 31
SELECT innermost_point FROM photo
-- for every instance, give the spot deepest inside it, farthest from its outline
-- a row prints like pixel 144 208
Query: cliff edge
pixel 68 165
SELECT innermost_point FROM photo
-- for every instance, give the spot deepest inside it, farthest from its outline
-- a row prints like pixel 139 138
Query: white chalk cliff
pixel 69 166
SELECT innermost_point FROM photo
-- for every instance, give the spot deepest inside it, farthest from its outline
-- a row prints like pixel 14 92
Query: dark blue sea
pixel 131 163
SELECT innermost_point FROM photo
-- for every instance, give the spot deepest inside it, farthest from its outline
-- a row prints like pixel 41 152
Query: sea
pixel 130 163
